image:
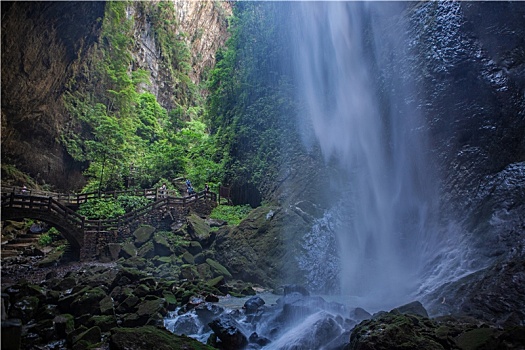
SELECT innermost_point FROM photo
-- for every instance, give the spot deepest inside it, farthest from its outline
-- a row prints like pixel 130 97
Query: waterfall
pixel 364 118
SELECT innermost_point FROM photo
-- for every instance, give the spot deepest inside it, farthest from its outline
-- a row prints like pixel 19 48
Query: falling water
pixel 366 120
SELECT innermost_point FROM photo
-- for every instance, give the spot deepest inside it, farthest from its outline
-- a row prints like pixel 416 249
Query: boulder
pixel 143 234
pixel 146 251
pixel 150 337
pixel 64 324
pixel 218 269
pixel 228 331
pixel 161 245
pixel 253 304
pixel 87 302
pixel 110 252
pixel 415 308
pixel 395 331
pixel 91 336
pixel 198 229
pixel 187 258
pixel 195 247
pixel 127 250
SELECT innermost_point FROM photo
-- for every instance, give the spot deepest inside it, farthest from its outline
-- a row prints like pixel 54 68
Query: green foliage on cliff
pixel 250 108
pixel 121 132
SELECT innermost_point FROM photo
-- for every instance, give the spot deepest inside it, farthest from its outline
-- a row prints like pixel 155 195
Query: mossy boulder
pixel 161 245
pixel 171 300
pixel 189 272
pixel 104 322
pixel 143 234
pixel 187 258
pixel 135 262
pixel 64 324
pixel 204 271
pixel 24 308
pixel 194 247
pixel 88 302
pixel 150 337
pixel 198 229
pixel 91 336
pixel 218 269
pixel 146 251
pixel 396 331
pixel 127 250
pixel 150 307
pixel 51 259
pixel 106 306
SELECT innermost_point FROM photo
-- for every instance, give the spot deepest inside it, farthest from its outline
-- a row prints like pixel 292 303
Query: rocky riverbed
pixel 140 303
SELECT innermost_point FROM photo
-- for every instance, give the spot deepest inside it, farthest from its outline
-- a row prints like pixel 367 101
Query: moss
pixel 143 234
pixel 92 336
pixel 104 322
pixel 475 339
pixel 198 228
pixel 152 337
pixel 216 281
pixel 218 268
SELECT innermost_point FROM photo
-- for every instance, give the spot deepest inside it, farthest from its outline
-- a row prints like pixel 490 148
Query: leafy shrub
pixel 100 209
pixel 232 214
pixel 49 237
pixel 130 203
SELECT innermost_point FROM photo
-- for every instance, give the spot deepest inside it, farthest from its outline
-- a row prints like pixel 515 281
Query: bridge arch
pixel 70 233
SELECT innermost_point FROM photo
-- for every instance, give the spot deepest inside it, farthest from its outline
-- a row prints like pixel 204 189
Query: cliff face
pixel 201 25
pixel 43 44
pixel 47 44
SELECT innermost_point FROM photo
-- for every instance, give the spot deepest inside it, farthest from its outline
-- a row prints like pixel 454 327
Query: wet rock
pixel 294 288
pixel 228 331
pixel 253 304
pixel 261 341
pixel 415 308
pixel 394 331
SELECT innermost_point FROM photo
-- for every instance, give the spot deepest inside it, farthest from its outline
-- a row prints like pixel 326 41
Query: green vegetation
pixel 49 237
pixel 231 214
pixel 251 106
pixel 238 136
pixel 108 208
pixel 123 134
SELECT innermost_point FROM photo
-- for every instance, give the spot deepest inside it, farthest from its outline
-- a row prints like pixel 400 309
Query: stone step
pixel 9 253
pixel 24 240
pixel 15 246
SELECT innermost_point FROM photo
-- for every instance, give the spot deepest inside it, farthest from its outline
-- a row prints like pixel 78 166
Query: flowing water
pixel 365 117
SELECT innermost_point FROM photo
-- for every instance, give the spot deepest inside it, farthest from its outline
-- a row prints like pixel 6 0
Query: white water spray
pixel 388 234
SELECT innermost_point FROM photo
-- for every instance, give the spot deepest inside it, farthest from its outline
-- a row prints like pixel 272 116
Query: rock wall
pixel 202 25
pixel 43 44
pixel 470 63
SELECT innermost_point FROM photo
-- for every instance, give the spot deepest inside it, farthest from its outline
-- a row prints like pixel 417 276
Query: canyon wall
pixel 46 45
